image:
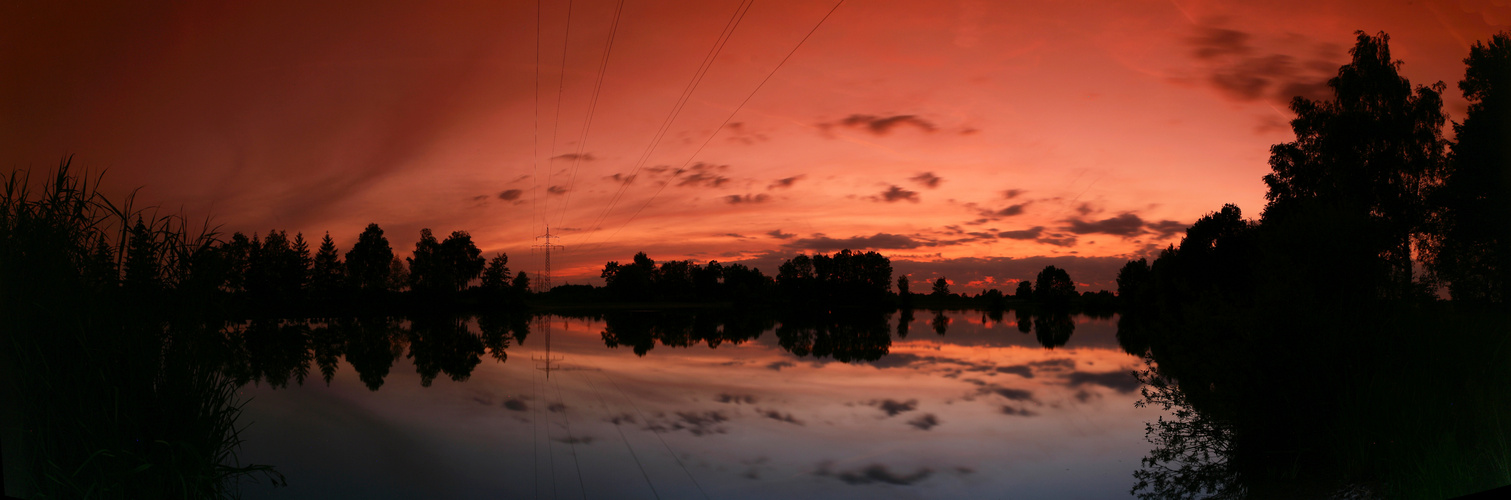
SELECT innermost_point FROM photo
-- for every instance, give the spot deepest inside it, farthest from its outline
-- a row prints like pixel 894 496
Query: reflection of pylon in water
pixel 543 278
pixel 543 324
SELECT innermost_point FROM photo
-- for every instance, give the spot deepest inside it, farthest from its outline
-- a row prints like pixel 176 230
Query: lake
pixel 645 404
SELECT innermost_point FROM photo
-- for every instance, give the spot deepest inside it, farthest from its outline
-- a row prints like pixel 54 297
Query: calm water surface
pixel 981 411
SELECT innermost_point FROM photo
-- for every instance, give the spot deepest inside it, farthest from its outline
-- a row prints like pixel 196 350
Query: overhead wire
pixel 561 85
pixel 681 102
pixel 535 140
pixel 727 120
pixel 653 430
pixel 571 439
pixel 622 437
pixel 582 140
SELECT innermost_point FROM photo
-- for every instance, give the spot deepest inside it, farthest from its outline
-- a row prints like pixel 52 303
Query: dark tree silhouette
pixel 238 253
pixel 1134 281
pixel 426 272
pixel 370 260
pixel 496 275
pixel 1053 287
pixel 902 287
pixel 142 268
pixel 398 275
pixel 941 287
pixel 1025 290
pixel 1472 252
pixel 1365 159
pixel 521 283
pixel 461 259
pixel 327 274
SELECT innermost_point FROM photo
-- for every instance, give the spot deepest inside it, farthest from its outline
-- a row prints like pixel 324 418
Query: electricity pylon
pixel 543 279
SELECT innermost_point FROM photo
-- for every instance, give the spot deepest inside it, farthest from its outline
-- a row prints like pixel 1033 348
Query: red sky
pixel 971 139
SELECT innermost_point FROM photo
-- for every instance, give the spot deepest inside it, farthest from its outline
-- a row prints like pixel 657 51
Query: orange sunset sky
pixel 971 139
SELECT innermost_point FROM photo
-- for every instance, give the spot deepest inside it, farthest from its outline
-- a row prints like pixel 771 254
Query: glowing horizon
pixel 968 139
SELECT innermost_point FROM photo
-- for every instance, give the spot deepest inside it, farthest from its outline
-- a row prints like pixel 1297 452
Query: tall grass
pixel 117 398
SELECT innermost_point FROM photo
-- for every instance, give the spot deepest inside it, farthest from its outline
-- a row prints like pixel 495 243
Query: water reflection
pixel 731 404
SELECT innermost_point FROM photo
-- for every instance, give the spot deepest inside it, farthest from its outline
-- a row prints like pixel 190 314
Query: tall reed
pixel 117 398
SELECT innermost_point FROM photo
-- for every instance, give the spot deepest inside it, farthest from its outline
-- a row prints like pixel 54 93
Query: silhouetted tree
pixel 1134 281
pixel 940 323
pixel 521 283
pixel 326 276
pixel 142 268
pixel 1472 250
pixel 398 275
pixel 1364 160
pixel 902 287
pixel 370 260
pixel 496 275
pixel 1053 286
pixel 1025 290
pixel 426 273
pixel 461 259
pixel 238 253
pixel 941 287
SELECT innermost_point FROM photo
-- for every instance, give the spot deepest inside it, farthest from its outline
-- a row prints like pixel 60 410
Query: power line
pixel 687 91
pixel 561 84
pixel 535 140
pixel 731 117
pixel 622 437
pixel 656 432
pixel 582 140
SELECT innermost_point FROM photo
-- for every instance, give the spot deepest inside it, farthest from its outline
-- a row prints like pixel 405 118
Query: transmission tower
pixel 543 278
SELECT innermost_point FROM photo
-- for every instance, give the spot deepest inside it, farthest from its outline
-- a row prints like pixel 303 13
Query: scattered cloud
pixel 1120 381
pixel 702 175
pixel 893 407
pixel 778 234
pixel 1059 240
pixel 699 424
pixel 880 125
pixel 895 193
pixel 735 398
pixel 1124 225
pixel 516 405
pixel 749 198
pixel 556 408
pixel 924 422
pixel 1010 393
pixel 1239 70
pixel 875 241
pixel 510 194
pixel 927 179
pixel 874 473
pixel 779 365
pixel 780 417
pixel 1021 412
pixel 575 156
pixel 621 178
pixel 556 190
pixel 1012 193
pixel 1011 210
pixel 1022 234
pixel 785 182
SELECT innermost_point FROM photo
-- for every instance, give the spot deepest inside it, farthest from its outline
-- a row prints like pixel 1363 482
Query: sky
pixel 978 141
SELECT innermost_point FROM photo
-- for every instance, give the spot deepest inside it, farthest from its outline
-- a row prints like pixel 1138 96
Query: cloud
pixel 893 407
pixel 875 241
pixel 882 125
pixel 621 178
pixel 749 198
pixel 1022 234
pixel 778 234
pixel 576 440
pixel 1240 71
pixel 785 182
pixel 1166 228
pixel 1019 370
pixel 1059 240
pixel 1124 225
pixel 874 473
pixel 1010 393
pixel 516 405
pixel 556 190
pixel 927 179
pixel 780 417
pixel 1120 381
pixel 699 424
pixel 896 193
pixel 779 365
pixel 1012 193
pixel 510 194
pixel 924 422
pixel 575 156
pixel 703 175
pixel 1011 210
pixel 1021 412
pixel 735 398
pixel 556 408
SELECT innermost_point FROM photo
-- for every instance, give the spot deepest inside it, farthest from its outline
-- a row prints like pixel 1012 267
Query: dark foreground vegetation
pixel 1307 353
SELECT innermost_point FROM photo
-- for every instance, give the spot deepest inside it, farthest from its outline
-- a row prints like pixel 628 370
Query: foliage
pixel 369 262
pixel 1053 287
